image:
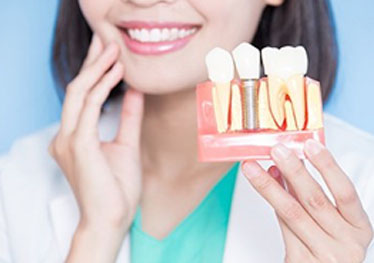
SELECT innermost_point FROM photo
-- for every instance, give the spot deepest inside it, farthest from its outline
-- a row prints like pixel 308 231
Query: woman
pixel 123 184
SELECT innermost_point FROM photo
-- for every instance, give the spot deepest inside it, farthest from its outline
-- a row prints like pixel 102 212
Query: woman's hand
pixel 314 229
pixel 105 176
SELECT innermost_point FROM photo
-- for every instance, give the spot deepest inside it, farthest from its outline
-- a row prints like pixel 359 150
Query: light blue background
pixel 28 100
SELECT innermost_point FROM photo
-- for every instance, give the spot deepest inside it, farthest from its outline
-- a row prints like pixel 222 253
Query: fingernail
pixel 312 147
pixel 280 152
pixel 274 172
pixel 251 169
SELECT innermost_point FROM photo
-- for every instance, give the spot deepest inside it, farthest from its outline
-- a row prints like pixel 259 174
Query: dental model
pixel 221 72
pixel 244 118
pixel 285 69
pixel 314 106
pixel 247 60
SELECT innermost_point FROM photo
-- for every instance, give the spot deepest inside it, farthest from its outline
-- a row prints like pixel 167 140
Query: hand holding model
pixel 104 176
pixel 284 108
pixel 314 228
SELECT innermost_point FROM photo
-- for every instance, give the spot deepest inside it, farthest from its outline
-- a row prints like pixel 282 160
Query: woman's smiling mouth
pixel 154 38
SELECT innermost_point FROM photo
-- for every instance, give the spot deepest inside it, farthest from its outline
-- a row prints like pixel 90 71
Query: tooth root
pixel 314 104
pixel 290 117
pixel 223 92
pixel 295 89
pixel 221 124
pixel 277 98
pixel 236 109
pixel 265 118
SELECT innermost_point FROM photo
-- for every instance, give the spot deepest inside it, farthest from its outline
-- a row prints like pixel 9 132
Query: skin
pixel 153 155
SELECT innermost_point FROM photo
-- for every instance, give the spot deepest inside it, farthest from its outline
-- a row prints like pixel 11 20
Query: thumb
pixel 131 119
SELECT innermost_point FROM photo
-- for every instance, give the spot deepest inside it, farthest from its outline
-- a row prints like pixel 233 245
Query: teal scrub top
pixel 200 237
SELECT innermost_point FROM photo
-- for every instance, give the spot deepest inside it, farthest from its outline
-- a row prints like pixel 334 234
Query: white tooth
pixel 137 34
pixel 270 60
pixel 220 65
pixel 144 35
pixel 221 72
pixel 285 62
pixel 182 33
pixel 247 60
pixel 155 35
pixel 285 69
pixel 173 34
pixel 191 31
pixel 165 34
pixel 131 33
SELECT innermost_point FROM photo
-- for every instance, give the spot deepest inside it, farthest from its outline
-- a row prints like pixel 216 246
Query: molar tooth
pixel 296 91
pixel 265 118
pixel 277 98
pixel 291 122
pixel 285 69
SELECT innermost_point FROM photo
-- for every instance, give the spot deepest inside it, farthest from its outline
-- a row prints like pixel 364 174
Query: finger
pixel 309 193
pixel 341 187
pixel 293 214
pixel 91 111
pixel 295 248
pixel 95 49
pixel 131 119
pixel 77 90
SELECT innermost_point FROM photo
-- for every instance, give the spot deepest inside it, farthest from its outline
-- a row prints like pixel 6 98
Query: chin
pixel 159 83
pixel 156 86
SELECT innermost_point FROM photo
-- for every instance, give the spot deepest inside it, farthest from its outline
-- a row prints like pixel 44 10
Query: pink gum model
pixel 237 146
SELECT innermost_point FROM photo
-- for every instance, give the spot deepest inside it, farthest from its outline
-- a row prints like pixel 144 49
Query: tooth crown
pixel 285 62
pixel 247 59
pixel 220 66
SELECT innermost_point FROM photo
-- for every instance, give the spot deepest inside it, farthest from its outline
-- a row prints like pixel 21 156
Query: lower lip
pixel 155 48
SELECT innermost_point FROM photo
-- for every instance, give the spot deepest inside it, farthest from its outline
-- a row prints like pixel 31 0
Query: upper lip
pixel 133 24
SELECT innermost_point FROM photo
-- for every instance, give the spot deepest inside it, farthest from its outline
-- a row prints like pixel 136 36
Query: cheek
pixel 95 12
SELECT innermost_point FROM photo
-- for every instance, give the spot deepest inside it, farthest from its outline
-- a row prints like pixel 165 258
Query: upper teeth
pixel 159 34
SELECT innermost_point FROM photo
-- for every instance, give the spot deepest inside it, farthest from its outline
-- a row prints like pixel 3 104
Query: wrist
pixel 95 244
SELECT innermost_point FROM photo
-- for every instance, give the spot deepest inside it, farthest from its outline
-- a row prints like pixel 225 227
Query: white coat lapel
pixel 253 233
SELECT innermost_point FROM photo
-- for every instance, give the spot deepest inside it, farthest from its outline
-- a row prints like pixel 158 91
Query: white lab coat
pixel 38 212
